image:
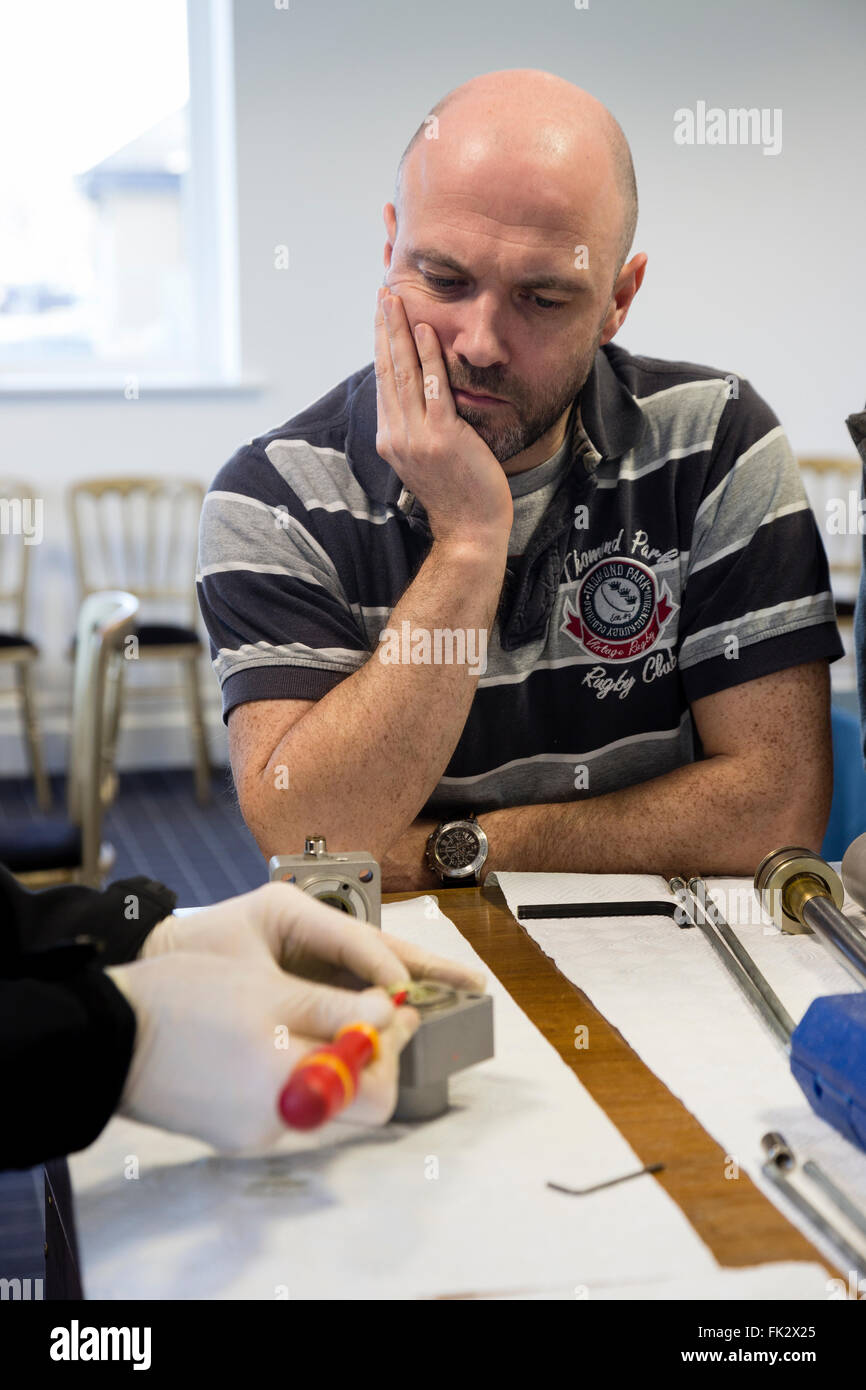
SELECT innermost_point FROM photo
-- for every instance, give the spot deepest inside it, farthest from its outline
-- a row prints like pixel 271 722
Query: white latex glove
pixel 282 923
pixel 207 1059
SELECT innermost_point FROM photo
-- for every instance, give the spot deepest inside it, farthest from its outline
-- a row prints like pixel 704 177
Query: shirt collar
pixel 607 423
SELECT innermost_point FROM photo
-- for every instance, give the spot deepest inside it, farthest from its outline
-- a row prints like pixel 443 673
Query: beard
pixel 526 416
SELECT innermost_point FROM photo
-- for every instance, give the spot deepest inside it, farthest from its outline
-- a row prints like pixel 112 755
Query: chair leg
pixel 199 733
pixel 31 734
pixel 109 780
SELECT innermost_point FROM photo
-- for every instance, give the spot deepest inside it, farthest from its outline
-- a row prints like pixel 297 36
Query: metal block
pixel 456 1031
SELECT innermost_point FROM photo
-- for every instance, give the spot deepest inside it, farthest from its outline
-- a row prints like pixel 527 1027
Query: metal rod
pixel 781 1162
pixel 731 939
pixel 732 965
pixel 837 933
pixel 855 1258
pixel 840 1198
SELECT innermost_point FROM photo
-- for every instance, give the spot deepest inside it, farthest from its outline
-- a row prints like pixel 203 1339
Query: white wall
pixel 755 261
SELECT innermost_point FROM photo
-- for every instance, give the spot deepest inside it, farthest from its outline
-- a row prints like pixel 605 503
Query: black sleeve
pixel 65 1049
pixel 116 920
pixel 66 1032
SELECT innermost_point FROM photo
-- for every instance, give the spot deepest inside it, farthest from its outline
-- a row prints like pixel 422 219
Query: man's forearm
pixel 709 817
pixel 361 764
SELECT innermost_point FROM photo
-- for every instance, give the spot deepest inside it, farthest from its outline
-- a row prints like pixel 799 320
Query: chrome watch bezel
pixel 470 869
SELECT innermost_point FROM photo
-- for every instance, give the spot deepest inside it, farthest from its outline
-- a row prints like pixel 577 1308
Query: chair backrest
pixel 139 534
pixel 21 523
pixel 833 489
pixel 105 620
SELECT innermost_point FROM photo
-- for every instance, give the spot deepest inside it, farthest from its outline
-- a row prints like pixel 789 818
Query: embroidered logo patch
pixel 620 610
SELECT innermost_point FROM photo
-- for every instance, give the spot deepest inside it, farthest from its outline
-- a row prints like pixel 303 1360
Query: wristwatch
pixel 456 851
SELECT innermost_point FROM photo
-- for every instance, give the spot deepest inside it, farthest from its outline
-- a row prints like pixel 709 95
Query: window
pixel 116 193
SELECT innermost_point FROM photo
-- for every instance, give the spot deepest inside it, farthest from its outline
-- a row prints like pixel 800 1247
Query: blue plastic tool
pixel 828 1061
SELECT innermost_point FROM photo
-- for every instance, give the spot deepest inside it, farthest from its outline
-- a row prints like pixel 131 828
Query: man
pixel 513 570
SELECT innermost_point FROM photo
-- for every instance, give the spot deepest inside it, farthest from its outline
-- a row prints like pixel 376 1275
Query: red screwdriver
pixel 326 1080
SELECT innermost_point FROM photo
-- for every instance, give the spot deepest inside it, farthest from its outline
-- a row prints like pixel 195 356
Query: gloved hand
pixel 282 923
pixel 215 992
pixel 210 1053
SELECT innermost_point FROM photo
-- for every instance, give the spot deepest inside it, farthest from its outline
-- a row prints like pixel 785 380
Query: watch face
pixel 457 848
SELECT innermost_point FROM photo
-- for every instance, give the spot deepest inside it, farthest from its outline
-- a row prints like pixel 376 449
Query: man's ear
pixel 628 282
pixel 389 214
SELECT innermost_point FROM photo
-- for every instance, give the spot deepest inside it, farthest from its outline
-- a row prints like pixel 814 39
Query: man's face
pixel 504 329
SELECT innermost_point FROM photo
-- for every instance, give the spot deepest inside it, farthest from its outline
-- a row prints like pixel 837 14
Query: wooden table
pixel 739 1224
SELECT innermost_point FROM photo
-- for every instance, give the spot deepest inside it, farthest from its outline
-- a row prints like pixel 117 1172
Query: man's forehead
pixel 510 205
pixel 522 165
pixel 508 195
pixel 504 211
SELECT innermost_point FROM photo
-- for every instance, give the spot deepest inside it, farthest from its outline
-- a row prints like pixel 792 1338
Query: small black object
pixel 638 909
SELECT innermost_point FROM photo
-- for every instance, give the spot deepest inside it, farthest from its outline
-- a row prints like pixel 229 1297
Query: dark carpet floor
pixel 156 826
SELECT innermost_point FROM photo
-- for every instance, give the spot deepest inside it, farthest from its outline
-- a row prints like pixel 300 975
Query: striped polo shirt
pixel 675 555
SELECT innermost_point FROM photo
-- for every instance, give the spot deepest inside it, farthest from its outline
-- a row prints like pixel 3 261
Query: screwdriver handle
pixel 326 1080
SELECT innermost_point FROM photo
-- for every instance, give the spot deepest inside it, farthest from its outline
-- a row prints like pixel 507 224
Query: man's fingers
pixel 423 964
pixel 437 388
pixel 404 356
pixel 405 1024
pixel 301 925
pixel 320 1010
pixel 388 405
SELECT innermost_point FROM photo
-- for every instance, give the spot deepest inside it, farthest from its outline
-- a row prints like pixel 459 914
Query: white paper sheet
pixel 355 1214
pixel 675 1004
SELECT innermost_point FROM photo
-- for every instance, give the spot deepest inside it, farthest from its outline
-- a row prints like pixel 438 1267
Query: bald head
pixel 514 213
pixel 561 137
